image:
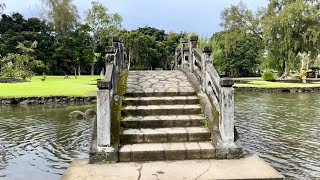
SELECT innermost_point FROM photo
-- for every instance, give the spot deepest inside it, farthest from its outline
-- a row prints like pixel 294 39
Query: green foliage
pixel 268 76
pixel 116 108
pixel 149 48
pixel 284 29
pixel 20 65
pixel 240 60
pixel 103 25
pixel 290 28
pixel 62 15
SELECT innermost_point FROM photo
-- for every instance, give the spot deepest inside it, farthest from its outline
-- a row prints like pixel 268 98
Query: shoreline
pixel 277 89
pixel 88 99
pixel 47 100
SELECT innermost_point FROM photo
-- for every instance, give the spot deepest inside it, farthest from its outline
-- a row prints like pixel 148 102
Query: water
pixel 283 129
pixel 39 142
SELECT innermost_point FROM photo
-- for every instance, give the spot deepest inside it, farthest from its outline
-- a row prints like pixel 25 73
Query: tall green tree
pixel 103 26
pixel 291 27
pixel 239 21
pixel 62 15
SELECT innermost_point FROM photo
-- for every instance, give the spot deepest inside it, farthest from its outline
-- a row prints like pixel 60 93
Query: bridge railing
pixel 115 62
pixel 219 90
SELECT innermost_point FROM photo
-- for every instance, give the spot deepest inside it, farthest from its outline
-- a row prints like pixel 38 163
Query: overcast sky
pixel 201 16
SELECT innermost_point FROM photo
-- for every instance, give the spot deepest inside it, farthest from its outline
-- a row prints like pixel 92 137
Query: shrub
pixel 268 76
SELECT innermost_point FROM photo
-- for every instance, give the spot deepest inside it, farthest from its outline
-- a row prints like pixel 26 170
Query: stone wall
pixel 47 100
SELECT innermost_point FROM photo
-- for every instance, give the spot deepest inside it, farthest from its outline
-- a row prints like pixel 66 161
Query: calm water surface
pixel 283 129
pixel 39 142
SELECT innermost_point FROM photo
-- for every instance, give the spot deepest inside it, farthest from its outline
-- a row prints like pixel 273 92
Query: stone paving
pixel 158 81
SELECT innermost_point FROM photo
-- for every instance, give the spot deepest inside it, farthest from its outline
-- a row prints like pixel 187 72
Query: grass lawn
pixel 259 83
pixel 52 86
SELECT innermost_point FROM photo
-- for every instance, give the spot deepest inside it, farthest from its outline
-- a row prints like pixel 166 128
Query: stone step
pixel 189 134
pixel 166 151
pixel 161 110
pixel 161 100
pixel 162 121
pixel 160 93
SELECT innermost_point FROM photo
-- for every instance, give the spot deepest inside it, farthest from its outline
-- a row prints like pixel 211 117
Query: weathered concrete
pixel 158 83
pixel 250 167
pixel 161 100
pixel 177 134
pixel 167 151
pixel 161 110
pixel 162 121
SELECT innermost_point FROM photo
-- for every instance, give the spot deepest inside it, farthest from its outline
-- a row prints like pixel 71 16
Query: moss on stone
pixel 116 108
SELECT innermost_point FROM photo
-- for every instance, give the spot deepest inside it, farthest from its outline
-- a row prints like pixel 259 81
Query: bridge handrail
pixel 115 62
pixel 219 90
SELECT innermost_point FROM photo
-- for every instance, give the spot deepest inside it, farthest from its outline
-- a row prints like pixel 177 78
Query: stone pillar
pixel 103 114
pixel 226 123
pixel 183 52
pixel 116 42
pixel 176 61
pixel 193 45
pixel 206 58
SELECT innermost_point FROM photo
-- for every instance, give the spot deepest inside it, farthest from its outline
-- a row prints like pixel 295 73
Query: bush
pixel 268 76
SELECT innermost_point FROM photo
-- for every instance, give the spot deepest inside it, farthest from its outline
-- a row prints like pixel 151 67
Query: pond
pixel 283 129
pixel 39 142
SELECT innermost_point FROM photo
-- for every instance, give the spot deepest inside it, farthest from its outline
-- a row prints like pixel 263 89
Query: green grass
pixel 52 86
pixel 259 83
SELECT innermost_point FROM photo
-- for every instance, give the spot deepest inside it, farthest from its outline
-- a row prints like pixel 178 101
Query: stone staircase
pixel 162 120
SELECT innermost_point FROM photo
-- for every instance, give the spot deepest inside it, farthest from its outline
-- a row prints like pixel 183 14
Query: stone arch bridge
pixel 185 113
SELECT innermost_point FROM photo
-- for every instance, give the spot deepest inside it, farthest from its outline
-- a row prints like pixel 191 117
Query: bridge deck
pixel 162 82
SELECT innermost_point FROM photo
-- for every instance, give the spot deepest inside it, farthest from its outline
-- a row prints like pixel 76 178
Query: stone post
pixel 226 123
pixel 206 58
pixel 183 53
pixel 104 114
pixel 116 42
pixel 176 61
pixel 193 45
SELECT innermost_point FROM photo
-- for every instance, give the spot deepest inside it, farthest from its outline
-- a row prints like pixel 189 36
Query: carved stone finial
pixel 110 49
pixel 194 38
pixel 207 49
pixel 116 39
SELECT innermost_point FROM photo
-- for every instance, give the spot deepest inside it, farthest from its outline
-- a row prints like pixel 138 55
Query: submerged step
pixel 189 134
pixel 161 110
pixel 162 121
pixel 170 100
pixel 167 151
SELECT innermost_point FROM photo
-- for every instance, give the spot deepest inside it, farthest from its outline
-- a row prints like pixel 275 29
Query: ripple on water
pixel 282 128
pixel 39 142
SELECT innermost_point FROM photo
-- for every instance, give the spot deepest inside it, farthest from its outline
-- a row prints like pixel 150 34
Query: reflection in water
pixel 282 128
pixel 39 142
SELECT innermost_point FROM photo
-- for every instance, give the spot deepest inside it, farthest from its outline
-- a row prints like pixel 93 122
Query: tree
pixel 63 16
pixel 20 65
pixel 241 60
pixel 239 21
pixel 2 6
pixel 291 27
pixel 103 25
pixel 16 29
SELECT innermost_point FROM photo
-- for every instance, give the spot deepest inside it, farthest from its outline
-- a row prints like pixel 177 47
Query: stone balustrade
pixel 102 149
pixel 220 91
